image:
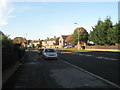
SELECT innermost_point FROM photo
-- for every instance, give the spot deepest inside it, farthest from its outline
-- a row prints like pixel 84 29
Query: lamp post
pixel 78 38
pixel 27 41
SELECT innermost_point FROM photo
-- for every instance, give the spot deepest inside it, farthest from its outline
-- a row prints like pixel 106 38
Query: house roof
pixel 34 41
pixel 51 39
pixel 1 33
pixel 64 36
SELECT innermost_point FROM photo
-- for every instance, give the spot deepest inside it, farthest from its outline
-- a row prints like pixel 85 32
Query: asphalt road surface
pixel 36 72
pixel 105 65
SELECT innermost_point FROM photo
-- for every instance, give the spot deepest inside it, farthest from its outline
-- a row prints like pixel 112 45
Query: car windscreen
pixel 49 50
pixel 39 50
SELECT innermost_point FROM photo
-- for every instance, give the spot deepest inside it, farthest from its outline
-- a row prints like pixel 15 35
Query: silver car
pixel 49 53
pixel 40 51
pixel 68 46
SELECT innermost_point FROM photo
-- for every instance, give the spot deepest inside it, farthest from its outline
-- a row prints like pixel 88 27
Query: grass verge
pixel 76 50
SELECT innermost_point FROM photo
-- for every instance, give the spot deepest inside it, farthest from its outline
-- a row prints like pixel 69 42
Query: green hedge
pixel 11 53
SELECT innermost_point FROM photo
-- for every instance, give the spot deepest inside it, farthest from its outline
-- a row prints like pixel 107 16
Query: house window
pixel 60 41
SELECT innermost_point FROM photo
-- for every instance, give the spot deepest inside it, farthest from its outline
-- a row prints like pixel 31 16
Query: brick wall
pixel 103 47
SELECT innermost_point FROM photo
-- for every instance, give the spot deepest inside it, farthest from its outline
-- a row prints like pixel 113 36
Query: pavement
pixel 74 78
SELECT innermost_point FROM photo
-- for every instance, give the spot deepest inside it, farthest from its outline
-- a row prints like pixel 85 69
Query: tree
pixel 117 32
pixel 82 33
pixel 11 53
pixel 18 40
pixel 114 33
pixel 101 33
pixel 6 41
pixel 69 39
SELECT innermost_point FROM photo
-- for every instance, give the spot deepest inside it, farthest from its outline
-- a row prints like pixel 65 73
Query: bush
pixel 11 53
pixel 37 46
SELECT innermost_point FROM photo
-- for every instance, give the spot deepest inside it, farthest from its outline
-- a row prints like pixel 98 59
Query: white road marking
pixel 110 58
pixel 88 55
pixel 80 54
pixel 99 57
pixel 107 58
pixel 91 74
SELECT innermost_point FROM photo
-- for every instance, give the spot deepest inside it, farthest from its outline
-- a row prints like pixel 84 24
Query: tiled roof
pixel 51 39
pixel 64 36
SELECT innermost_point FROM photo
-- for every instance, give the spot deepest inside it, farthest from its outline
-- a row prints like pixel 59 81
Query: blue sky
pixel 39 20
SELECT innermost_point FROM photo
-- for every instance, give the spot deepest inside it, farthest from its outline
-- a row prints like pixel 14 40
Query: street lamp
pixel 78 38
pixel 27 41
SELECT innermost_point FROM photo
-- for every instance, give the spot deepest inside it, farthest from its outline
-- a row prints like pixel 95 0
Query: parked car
pixel 40 51
pixel 49 53
pixel 68 46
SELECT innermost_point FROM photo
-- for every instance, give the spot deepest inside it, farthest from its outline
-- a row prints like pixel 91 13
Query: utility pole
pixel 26 41
pixel 78 38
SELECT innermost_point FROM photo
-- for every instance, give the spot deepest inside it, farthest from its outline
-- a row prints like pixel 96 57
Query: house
pixel 35 42
pixel 62 41
pixel 1 33
pixel 24 44
pixel 56 42
pixel 50 41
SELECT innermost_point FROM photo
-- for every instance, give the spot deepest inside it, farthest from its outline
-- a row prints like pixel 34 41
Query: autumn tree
pixel 69 39
pixel 19 40
pixel 81 33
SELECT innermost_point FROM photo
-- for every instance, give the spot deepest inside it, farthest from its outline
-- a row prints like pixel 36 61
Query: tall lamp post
pixel 27 41
pixel 78 38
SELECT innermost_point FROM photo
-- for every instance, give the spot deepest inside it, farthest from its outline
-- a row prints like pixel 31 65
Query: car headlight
pixel 56 55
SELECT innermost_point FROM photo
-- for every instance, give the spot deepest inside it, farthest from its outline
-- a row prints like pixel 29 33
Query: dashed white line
pixel 80 54
pixel 107 58
pixel 99 57
pixel 110 58
pixel 88 55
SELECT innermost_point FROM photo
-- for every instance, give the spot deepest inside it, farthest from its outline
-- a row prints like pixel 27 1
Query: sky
pixel 39 20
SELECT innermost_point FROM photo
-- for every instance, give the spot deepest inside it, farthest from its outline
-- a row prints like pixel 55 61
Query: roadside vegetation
pixel 11 53
pixel 76 50
pixel 103 33
pixel 78 32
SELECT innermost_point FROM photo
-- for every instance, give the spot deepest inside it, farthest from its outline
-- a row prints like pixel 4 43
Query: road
pixel 105 65
pixel 38 73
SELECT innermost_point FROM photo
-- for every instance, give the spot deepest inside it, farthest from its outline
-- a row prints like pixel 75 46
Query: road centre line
pixel 91 73
pixel 89 55
pixel 99 57
pixel 106 58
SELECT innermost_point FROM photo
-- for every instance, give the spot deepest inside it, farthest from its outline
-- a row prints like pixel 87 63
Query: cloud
pixel 2 23
pixel 5 11
pixel 27 7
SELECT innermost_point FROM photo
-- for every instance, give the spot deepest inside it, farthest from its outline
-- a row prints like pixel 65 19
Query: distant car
pixel 40 50
pixel 49 53
pixel 68 46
